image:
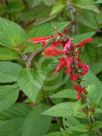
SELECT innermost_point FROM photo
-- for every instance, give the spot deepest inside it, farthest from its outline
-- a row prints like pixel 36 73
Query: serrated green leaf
pixel 11 34
pixel 88 19
pixel 86 4
pixel 11 127
pixel 67 93
pixel 9 71
pixel 18 110
pixel 8 54
pixel 80 37
pixel 65 109
pixel 94 87
pixel 30 82
pixel 36 124
pixel 8 96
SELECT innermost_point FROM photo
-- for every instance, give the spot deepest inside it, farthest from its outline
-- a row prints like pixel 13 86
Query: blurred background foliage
pixel 34 18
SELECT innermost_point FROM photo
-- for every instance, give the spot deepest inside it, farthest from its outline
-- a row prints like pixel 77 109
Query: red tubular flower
pixel 52 51
pixel 81 44
pixel 43 39
pixel 62 62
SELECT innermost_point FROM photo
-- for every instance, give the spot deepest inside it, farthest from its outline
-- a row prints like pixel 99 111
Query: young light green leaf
pixel 8 95
pixel 11 34
pixel 9 71
pixel 98 1
pixel 30 82
pixel 60 4
pixel 36 124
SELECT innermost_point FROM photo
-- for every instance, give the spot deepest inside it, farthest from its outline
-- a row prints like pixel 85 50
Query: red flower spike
pixel 52 51
pixel 68 47
pixel 81 44
pixel 84 68
pixel 74 77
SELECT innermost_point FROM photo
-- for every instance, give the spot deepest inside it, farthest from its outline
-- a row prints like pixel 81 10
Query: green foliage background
pixel 33 102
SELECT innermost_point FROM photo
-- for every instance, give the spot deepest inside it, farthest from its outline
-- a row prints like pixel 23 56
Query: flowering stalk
pixel 67 53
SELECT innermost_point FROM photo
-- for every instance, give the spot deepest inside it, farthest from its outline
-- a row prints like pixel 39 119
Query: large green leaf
pixel 88 19
pixel 9 71
pixel 86 4
pixel 8 54
pixel 80 37
pixel 94 87
pixel 11 34
pixel 67 93
pixel 8 95
pixel 11 127
pixel 12 120
pixel 36 124
pixel 18 110
pixel 30 82
pixel 65 109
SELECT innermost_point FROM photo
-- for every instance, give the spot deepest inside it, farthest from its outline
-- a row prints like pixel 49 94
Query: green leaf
pixel 30 82
pixel 80 37
pixel 11 127
pixel 96 125
pixel 8 54
pixel 94 87
pixel 46 29
pixel 36 124
pixel 96 67
pixel 15 6
pixel 67 93
pixel 8 95
pixel 11 34
pixel 98 1
pixel 9 71
pixel 54 134
pixel 86 4
pixel 65 109
pixel 49 2
pixel 18 110
pixel 89 19
pixel 81 128
pixel 60 4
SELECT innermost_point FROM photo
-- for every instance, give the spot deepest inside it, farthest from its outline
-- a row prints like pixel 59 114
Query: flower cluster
pixel 61 45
